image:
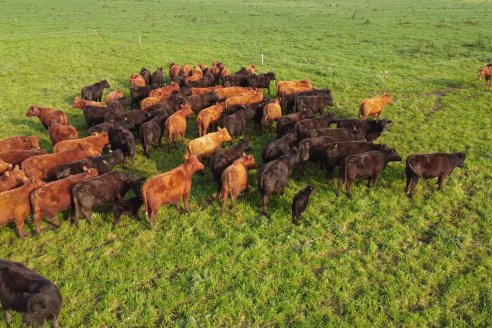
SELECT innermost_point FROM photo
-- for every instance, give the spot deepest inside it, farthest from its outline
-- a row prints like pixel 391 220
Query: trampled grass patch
pixel 376 259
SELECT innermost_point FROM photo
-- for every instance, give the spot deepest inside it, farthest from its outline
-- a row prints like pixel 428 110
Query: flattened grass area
pixel 377 259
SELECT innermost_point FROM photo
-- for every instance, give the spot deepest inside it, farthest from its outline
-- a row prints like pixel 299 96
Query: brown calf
pixel 137 80
pixel 224 93
pixel 113 95
pixel 295 83
pixel 244 99
pixel 271 112
pixel 176 124
pixel 15 206
pixel 55 197
pixel 17 156
pixel 235 178
pixel 206 146
pixel 169 188
pixel 20 142
pixel 81 103
pixel 11 179
pixel 209 116
pixel 374 106
pixel 164 91
pixel 60 132
pixel 47 115
pixel 199 91
pixel 97 140
pixel 150 101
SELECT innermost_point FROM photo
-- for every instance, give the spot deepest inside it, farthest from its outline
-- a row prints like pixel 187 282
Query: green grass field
pixel 378 259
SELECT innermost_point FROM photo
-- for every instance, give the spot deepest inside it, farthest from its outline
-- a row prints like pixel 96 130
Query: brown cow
pixel 20 142
pixel 169 187
pixel 215 71
pixel 224 93
pixel 12 179
pixel 97 140
pixel 374 106
pixel 41 167
pixel 486 73
pixel 4 166
pixel 206 146
pixel 271 112
pixel 235 178
pixel 197 71
pixel 81 103
pixel 428 166
pixel 295 83
pixel 17 156
pixel 223 73
pixel 47 115
pixel 60 132
pixel 176 125
pixel 114 95
pixel 137 80
pixel 15 206
pixel 209 116
pixel 199 91
pixel 174 70
pixel 244 99
pixel 164 91
pixel 186 70
pixel 150 101
pixel 55 197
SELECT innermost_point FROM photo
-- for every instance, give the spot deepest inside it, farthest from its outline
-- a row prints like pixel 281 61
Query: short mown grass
pixel 376 259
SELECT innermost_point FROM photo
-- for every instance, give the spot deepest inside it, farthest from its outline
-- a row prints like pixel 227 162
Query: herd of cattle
pixel 78 174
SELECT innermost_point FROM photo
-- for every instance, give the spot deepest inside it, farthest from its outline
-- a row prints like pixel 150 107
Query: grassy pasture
pixel 377 259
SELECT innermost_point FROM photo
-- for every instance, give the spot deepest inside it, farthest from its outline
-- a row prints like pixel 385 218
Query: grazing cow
pixel 282 85
pixel 374 106
pixel 371 129
pixel 341 134
pixel 114 96
pixel 81 103
pixel 137 80
pixel 115 106
pixel 17 156
pixel 302 127
pixel 428 166
pixel 235 178
pixel 94 92
pixel 24 290
pixel 19 142
pixel 137 94
pixel 198 91
pixel 4 166
pixel 236 80
pixel 271 112
pixel 199 102
pixel 103 164
pixel 206 146
pixel 368 165
pixel 107 187
pixel 261 81
pixel 174 71
pixel 209 117
pixel 55 197
pixel 176 125
pixel 47 115
pixel 274 176
pixel 334 152
pixel 12 179
pixel 186 70
pixel 122 139
pixel 287 122
pixel 225 157
pixel 207 80
pixel 164 91
pixel 14 204
pixel 278 147
pixel 169 187
pixel 59 132
pixel 152 131
pixel 300 203
pixel 244 99
pixel 157 77
pixel 223 74
pixel 98 141
pixel 145 73
pixel 224 93
pixel 129 120
pixel 40 167
pixel 486 73
pixel 126 206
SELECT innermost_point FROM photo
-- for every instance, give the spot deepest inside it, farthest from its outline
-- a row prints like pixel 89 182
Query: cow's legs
pixel 152 215
pixel 349 187
pixel 265 203
pixel 340 185
pixel 413 184
pixel 19 222
pixel 185 202
pixel 440 181
pixel 224 201
pixel 375 181
pixel 8 317
pixel 369 182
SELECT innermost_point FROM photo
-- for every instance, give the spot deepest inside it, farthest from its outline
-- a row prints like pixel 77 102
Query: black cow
pixel 261 80
pixel 199 102
pixel 278 147
pixel 103 164
pixel 94 92
pixel 102 127
pixel 300 203
pixel 206 81
pixel 372 129
pixel 170 105
pixel 122 139
pixel 157 77
pixel 107 187
pixel 115 106
pixel 235 123
pixel 428 166
pixel 180 80
pixel 340 134
pixel 316 145
pixel 253 111
pixel 152 130
pixel 130 120
pixel 314 104
pixel 333 153
pixel 145 73
pixel 24 290
pixel 95 115
pixel 368 165
pixel 302 127
pixel 126 206
pixel 139 93
pixel 274 176
pixel 236 80
pixel 225 157
pixel 287 122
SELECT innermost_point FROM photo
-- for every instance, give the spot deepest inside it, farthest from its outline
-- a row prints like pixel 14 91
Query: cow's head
pixel 393 155
pixel 225 134
pixel 458 159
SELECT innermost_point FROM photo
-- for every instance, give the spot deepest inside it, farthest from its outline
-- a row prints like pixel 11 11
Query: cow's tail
pixel 36 210
pixel 142 136
pixel 410 167
pixel 144 199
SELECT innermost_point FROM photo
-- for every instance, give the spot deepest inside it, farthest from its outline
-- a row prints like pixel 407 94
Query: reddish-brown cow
pixel 176 124
pixel 11 179
pixel 47 115
pixel 209 116
pixel 137 80
pixel 244 99
pixel 174 70
pixel 186 70
pixel 169 187
pixel 235 178
pixel 60 132
pixel 20 142
pixel 81 103
pixel 17 156
pixel 374 106
pixel 271 112
pixel 223 93
pixel 164 91
pixel 97 140
pixel 199 91
pixel 4 166
pixel 113 95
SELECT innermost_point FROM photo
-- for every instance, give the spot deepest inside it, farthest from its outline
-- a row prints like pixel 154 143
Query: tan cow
pixel 206 146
